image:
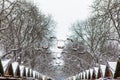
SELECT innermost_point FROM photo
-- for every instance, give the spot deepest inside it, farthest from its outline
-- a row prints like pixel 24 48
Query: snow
pixel 30 71
pixel 84 74
pixel 5 63
pixel 87 71
pixel 21 69
pixel 91 71
pixel 34 73
pixel 74 77
pixel 77 76
pixel 96 70
pixel 112 66
pixel 103 67
pixel 81 75
pixel 27 70
pixel 15 65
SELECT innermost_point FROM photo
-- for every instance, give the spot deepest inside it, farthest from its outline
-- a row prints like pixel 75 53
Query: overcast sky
pixel 64 12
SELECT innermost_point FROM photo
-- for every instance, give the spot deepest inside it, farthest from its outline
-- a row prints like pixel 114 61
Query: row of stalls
pixel 13 71
pixel 102 72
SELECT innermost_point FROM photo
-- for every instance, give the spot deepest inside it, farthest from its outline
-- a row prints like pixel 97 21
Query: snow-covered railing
pixel 109 71
pixel 14 71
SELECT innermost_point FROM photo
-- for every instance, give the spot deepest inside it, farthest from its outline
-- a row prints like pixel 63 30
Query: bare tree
pixel 108 11
pixel 23 29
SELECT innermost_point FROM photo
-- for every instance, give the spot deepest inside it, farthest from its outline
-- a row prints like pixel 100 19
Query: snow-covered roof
pixel 34 72
pixel 87 71
pixel 27 70
pixel 112 66
pixel 80 74
pixel 96 70
pixel 15 65
pixel 5 63
pixel 84 74
pixel 91 71
pixel 103 67
pixel 21 70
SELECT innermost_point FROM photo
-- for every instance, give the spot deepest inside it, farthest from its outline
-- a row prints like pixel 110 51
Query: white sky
pixel 64 12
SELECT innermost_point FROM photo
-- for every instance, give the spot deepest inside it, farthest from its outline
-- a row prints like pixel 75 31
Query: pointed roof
pixel 1 69
pixel 22 71
pixel 83 75
pixel 103 67
pixel 87 71
pixel 112 66
pixel 28 72
pixel 16 69
pixel 17 73
pixel 86 76
pixel 117 71
pixel 9 71
pixel 31 73
pixel 100 74
pixel 5 63
pixel 93 74
pixel 89 75
pixel 108 72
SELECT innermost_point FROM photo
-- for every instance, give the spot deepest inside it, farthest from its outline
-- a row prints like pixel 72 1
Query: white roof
pixel 34 73
pixel 91 71
pixel 15 65
pixel 77 75
pixel 27 70
pixel 87 71
pixel 30 71
pixel 83 74
pixel 5 63
pixel 80 74
pixel 103 67
pixel 96 70
pixel 21 70
pixel 112 66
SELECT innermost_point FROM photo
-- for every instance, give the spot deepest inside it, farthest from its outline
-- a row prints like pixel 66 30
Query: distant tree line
pixel 24 32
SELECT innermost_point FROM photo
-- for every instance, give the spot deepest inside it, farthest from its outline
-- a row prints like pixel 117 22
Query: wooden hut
pixel 89 75
pixel 1 69
pixel 87 72
pixel 16 69
pixel 93 75
pixel 23 72
pixel 117 70
pixel 31 72
pixel 28 72
pixel 100 74
pixel 9 71
pixel 95 72
pixel 108 72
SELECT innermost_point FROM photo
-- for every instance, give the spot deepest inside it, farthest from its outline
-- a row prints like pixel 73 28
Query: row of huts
pixel 13 71
pixel 102 72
